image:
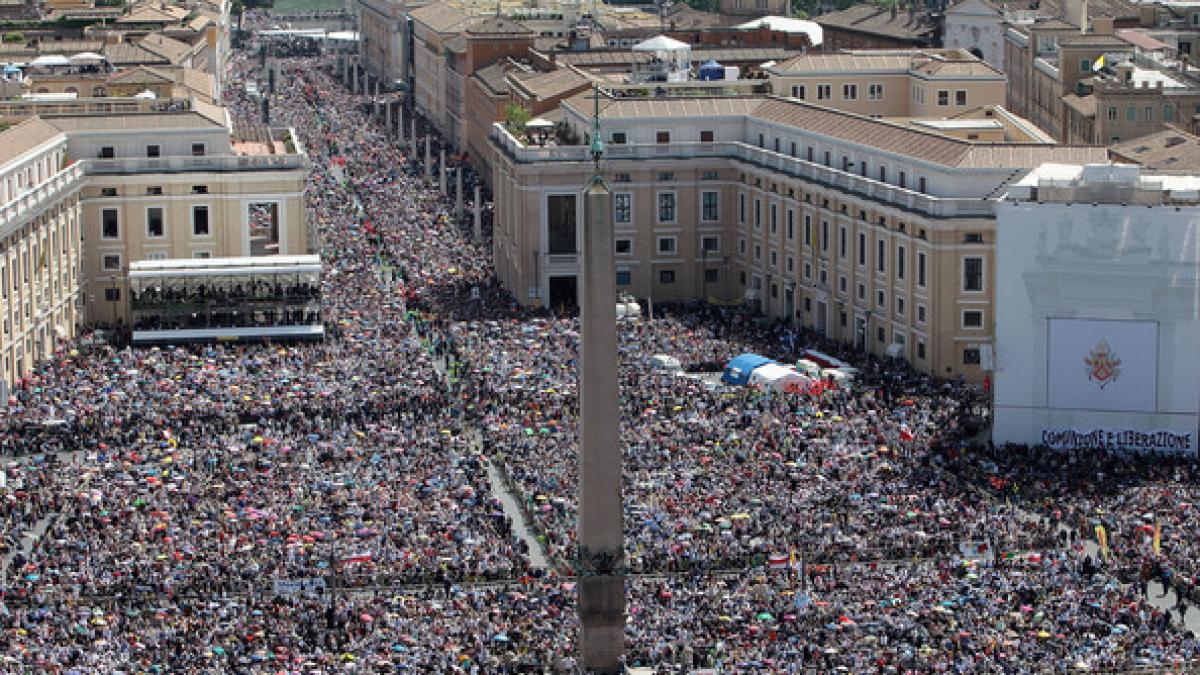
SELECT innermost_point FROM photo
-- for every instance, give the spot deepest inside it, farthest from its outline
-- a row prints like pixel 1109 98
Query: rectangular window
pixel 666 277
pixel 920 313
pixel 666 207
pixel 106 152
pixel 921 185
pixel 110 262
pixel 662 137
pixel 623 246
pixel 110 228
pixel 875 91
pixel 711 276
pixel 921 269
pixel 960 97
pixel 921 350
pixel 808 237
pixel 153 151
pixel 881 298
pixel 899 306
pixel 621 178
pixel 882 174
pixel 156 255
pixel 560 225
pixel 741 207
pixel 757 213
pixel 798 91
pixel 1149 113
pixel 824 92
pixel 709 207
pixel 710 244
pixel 791 264
pixel 666 245
pixel 200 221
pixel 862 249
pixel 774 218
pixel 666 176
pixel 108 192
pixel 623 277
pixel 154 222
pixel 201 255
pixel 618 138
pixel 1112 112
pixel 902 179
pixel 197 150
pixel 1130 114
pixel 850 92
pixel 154 190
pixel 709 175
pixel 622 207
pixel 112 295
pixel 970 357
pixel 943 97
pixel 199 189
pixel 843 244
pixel 791 225
pixel 973 274
pixel 900 262
pixel 706 136
pixel 880 255
pixel 825 235
pixel 972 319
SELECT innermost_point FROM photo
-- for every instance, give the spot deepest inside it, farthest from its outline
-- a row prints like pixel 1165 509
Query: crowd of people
pixel 174 509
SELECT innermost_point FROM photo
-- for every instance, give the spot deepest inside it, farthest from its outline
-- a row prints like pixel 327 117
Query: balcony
pixel 36 199
pixel 205 163
pixel 910 200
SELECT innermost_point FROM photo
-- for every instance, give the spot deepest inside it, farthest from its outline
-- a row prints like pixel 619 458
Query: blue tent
pixel 711 70
pixel 738 370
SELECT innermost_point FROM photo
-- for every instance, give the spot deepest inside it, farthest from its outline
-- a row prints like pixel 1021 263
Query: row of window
pixel 666 277
pixel 110 222
pixel 152 150
pixel 660 137
pixel 970 319
pixel 111 262
pixel 1131 113
pixel 669 245
pixel 152 190
pixel 849 92
pixel 710 207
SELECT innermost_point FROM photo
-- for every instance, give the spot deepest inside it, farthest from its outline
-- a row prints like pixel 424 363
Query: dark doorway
pixel 564 298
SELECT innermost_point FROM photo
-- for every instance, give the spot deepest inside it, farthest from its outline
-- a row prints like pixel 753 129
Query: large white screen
pixel 1102 365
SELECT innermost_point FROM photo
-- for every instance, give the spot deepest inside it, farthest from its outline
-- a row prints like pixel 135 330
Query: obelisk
pixel 600 559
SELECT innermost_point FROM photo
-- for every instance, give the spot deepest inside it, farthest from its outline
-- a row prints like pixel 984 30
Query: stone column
pixel 458 196
pixel 354 78
pixel 387 116
pixel 399 124
pixel 428 159
pixel 478 231
pixel 442 171
pixel 601 554
pixel 413 137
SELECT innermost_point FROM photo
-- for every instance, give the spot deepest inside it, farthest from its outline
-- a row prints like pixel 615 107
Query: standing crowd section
pixel 859 528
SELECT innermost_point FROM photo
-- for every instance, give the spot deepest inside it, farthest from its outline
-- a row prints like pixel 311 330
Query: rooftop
pixel 1170 150
pixel 1104 183
pixel 876 20
pixel 24 137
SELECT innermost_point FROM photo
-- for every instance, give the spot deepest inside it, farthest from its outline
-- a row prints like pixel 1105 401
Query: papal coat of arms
pixel 1103 365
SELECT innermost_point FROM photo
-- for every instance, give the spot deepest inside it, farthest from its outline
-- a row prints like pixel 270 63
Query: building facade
pixel 1097 311
pixel 874 233
pixel 892 83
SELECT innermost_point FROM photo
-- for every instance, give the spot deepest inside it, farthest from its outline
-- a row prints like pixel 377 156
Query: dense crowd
pixel 162 492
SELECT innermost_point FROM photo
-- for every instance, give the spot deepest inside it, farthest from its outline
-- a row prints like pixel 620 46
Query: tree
pixel 516 117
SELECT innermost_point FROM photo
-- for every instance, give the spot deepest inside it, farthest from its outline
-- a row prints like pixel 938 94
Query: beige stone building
pixel 876 233
pixel 86 192
pixel 892 83
pixel 40 249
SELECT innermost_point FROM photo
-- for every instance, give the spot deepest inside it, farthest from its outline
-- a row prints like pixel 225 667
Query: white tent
pixel 87 57
pixel 47 60
pixel 783 24
pixel 780 378
pixel 668 50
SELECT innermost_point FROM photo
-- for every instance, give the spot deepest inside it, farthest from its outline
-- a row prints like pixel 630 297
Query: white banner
pixel 1102 365
pixel 308 587
pixel 1119 439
